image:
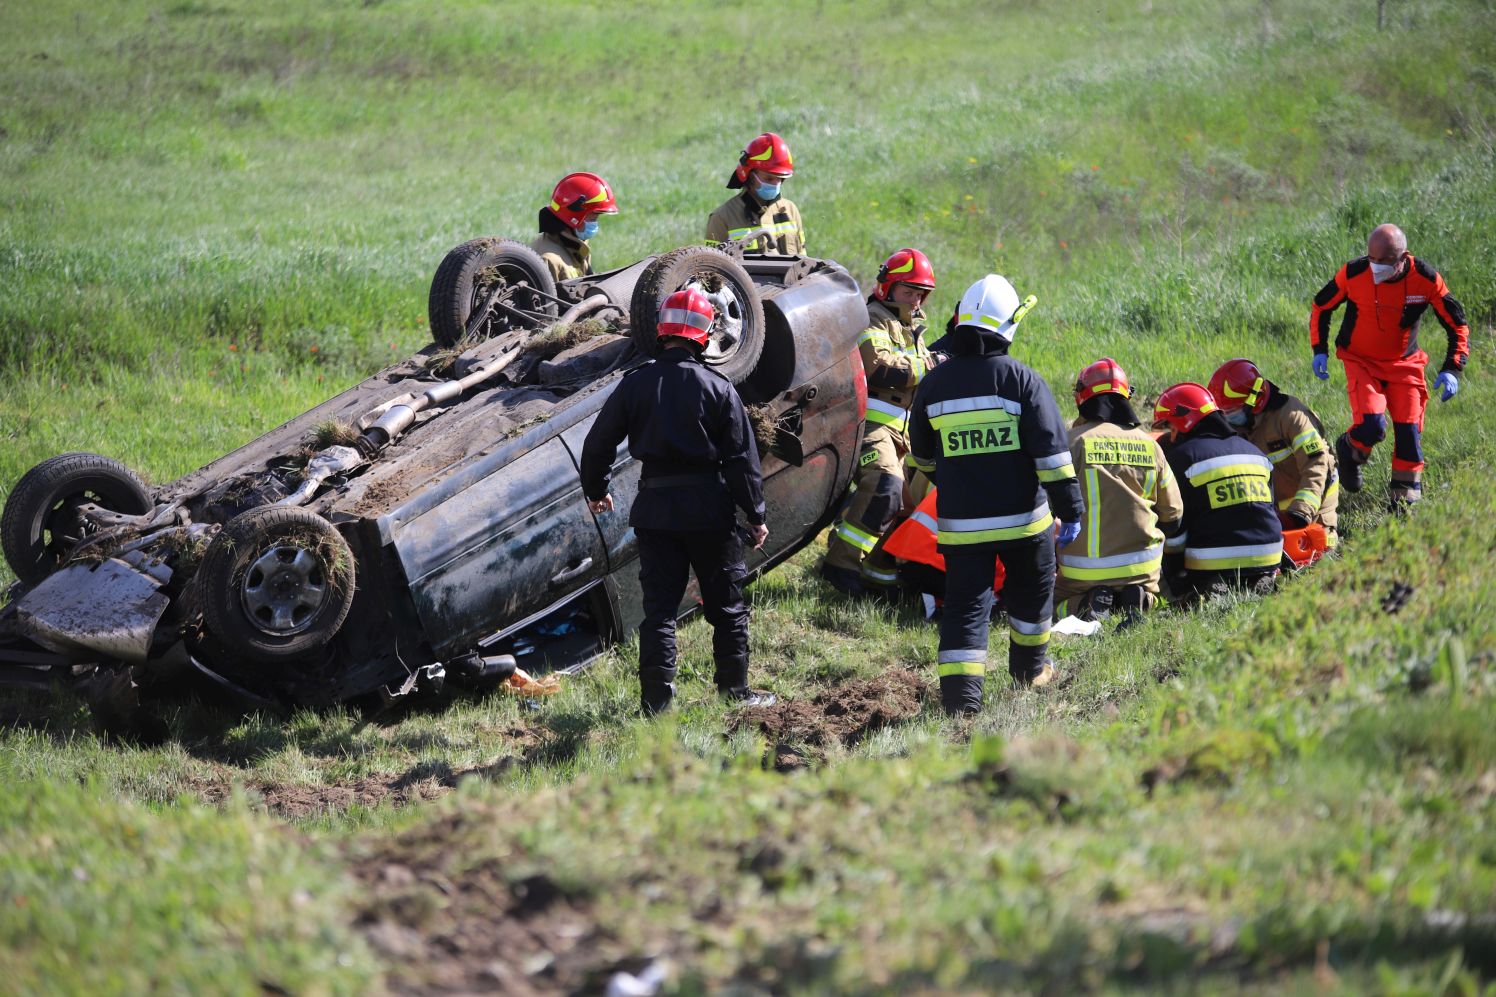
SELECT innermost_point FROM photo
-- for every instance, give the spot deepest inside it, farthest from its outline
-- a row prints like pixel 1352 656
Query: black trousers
pixel 1028 594
pixel 665 558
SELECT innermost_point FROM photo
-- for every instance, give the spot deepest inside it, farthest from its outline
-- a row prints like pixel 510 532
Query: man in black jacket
pixel 988 429
pixel 686 425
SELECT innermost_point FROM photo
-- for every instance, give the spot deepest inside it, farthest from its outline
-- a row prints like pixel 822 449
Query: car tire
pixel 39 508
pixel 468 273
pixel 738 332
pixel 275 585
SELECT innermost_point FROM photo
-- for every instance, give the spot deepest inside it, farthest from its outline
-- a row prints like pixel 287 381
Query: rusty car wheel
pixel 41 526
pixel 505 279
pixel 736 338
pixel 276 584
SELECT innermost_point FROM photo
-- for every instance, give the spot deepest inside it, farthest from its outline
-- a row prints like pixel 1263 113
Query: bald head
pixel 1386 244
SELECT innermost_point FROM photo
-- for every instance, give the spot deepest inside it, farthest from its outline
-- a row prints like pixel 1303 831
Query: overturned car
pixel 428 523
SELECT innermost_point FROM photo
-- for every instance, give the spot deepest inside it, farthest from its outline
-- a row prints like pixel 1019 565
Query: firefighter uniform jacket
pixel 567 256
pixel 988 428
pixel 743 213
pixel 1230 522
pixel 895 359
pixel 1304 478
pixel 1129 490
pixel 1381 320
pixel 686 425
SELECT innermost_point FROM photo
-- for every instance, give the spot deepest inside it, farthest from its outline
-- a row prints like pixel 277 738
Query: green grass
pixel 213 215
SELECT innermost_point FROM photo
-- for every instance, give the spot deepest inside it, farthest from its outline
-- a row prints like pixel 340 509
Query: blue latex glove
pixel 1448 386
pixel 1068 532
pixel 1322 366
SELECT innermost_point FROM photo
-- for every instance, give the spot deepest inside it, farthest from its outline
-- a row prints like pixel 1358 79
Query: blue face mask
pixel 1237 416
pixel 768 192
pixel 588 230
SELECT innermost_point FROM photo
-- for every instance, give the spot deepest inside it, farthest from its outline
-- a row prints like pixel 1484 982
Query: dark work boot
pixel 844 580
pixel 1099 603
pixel 1348 460
pixel 1132 600
pixel 655 697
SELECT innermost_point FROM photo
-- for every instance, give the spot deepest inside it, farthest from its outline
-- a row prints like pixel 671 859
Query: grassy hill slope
pixel 216 214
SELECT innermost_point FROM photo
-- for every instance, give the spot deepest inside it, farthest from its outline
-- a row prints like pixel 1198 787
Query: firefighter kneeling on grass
pixel 894 356
pixel 988 429
pixel 1231 538
pixel 1132 504
pixel 1305 488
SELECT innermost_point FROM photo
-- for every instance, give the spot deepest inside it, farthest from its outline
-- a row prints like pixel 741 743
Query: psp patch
pixel 868 456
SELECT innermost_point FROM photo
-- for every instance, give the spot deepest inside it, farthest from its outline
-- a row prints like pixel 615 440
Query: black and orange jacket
pixel 1381 320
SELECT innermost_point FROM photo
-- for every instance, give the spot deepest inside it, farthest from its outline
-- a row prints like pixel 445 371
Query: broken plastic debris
pixel 522 683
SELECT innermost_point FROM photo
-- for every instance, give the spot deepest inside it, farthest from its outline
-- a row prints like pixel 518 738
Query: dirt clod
pixel 847 715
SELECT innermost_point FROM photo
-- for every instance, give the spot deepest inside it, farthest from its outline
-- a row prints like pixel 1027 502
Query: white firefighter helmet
pixel 992 306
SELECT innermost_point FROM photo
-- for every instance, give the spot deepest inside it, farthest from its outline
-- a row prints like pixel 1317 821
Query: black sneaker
pixel 1348 462
pixel 749 697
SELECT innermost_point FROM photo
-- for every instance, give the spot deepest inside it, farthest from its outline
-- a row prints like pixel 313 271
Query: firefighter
pixel 1132 503
pixel 987 428
pixel 569 221
pixel 1231 538
pixel 1386 293
pixel 895 360
pixel 762 170
pixel 686 425
pixel 1305 487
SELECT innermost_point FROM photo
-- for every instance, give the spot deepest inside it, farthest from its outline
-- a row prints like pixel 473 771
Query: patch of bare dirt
pixel 420 784
pixel 449 920
pixel 848 714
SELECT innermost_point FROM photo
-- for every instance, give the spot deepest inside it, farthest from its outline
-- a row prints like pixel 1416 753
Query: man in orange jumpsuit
pixel 1386 293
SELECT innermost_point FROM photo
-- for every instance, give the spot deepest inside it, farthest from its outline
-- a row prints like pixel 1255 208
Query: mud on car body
pixel 428 522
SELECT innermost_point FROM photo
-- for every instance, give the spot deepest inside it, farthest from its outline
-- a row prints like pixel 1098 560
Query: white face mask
pixel 1382 272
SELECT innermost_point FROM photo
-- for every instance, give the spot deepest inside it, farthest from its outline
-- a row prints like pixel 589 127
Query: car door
pixel 506 548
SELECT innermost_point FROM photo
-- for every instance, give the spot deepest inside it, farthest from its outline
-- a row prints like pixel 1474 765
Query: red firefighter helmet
pixel 1181 407
pixel 769 153
pixel 1237 383
pixel 1105 376
pixel 907 266
pixel 579 195
pixel 688 314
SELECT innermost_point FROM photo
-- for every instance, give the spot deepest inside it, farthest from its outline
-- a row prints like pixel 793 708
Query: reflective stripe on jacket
pixel 743 213
pixel 1230 519
pixel 916 539
pixel 895 358
pixel 1304 479
pixel 989 429
pixel 1128 490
